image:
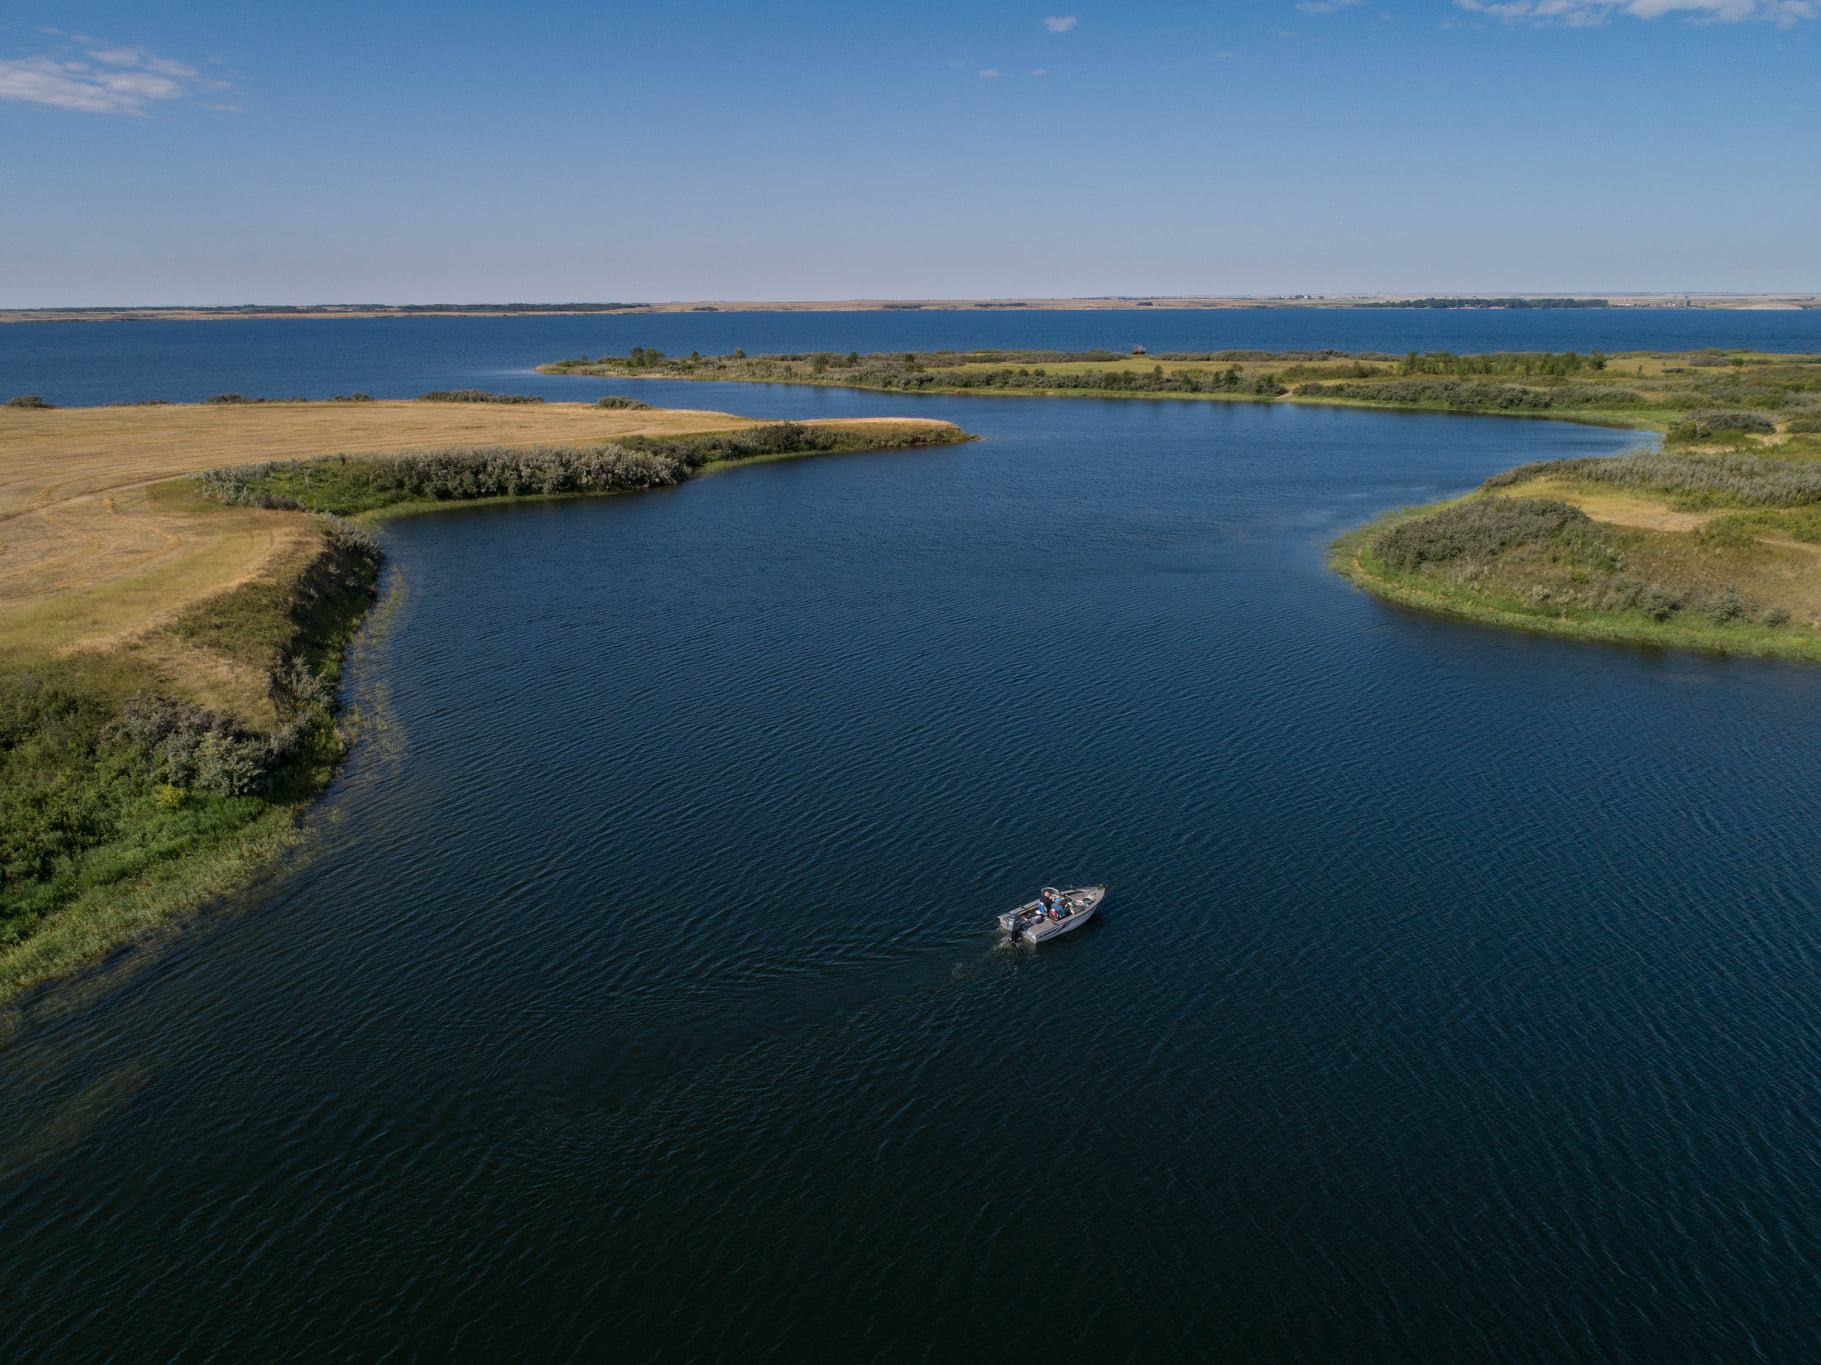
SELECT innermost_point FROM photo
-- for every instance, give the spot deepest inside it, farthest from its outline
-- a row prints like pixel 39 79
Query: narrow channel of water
pixel 1456 996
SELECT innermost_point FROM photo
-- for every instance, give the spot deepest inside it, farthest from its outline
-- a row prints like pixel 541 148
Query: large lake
pixel 1458 995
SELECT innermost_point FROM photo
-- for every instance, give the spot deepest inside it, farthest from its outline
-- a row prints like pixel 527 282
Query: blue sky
pixel 215 153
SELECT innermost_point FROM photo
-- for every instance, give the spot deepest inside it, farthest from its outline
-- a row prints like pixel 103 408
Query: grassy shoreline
pixel 1635 390
pixel 1615 553
pixel 1351 556
pixel 129 806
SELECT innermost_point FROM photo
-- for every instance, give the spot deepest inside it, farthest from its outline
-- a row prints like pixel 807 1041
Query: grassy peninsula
pixel 178 584
pixel 1651 391
pixel 1709 540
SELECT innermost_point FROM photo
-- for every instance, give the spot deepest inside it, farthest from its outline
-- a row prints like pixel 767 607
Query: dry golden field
pixel 98 544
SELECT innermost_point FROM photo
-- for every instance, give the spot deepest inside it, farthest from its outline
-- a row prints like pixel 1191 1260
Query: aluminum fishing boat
pixel 1035 922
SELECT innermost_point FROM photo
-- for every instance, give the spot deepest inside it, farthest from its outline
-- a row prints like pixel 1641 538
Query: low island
pixel 178 585
pixel 1708 535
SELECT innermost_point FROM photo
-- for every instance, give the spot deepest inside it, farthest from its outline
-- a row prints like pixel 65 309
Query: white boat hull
pixel 1029 923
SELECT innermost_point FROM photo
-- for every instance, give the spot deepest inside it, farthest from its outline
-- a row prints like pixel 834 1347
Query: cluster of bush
pixel 475 396
pixel 1461 396
pixel 454 473
pixel 1706 423
pixel 1530 363
pixel 1477 530
pixel 208 750
pixel 690 453
pixel 464 472
pixel 1475 533
pixel 27 400
pixel 1088 381
pixel 615 400
pixel 1743 480
pixel 95 789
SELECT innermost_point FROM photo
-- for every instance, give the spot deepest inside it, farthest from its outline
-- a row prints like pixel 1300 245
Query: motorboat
pixel 1068 910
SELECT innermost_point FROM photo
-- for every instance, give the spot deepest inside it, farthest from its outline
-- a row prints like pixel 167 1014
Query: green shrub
pixel 475 396
pixel 1743 480
pixel 1477 529
pixel 614 400
pixel 1461 396
pixel 1704 423
pixel 27 400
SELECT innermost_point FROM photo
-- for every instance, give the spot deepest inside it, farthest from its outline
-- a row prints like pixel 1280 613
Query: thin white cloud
pixel 114 80
pixel 1039 71
pixel 989 73
pixel 1325 6
pixel 1060 23
pixel 1589 13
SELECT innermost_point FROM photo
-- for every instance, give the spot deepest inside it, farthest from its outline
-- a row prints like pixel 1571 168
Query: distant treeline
pixel 1487 303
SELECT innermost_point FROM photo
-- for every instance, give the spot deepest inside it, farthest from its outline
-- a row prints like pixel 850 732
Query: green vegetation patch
pixel 1544 564
pixel 106 785
pixel 348 485
pixel 1690 481
pixel 475 396
pixel 1642 389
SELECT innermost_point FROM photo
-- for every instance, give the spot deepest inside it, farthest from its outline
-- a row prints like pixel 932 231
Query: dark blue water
pixel 104 362
pixel 1457 996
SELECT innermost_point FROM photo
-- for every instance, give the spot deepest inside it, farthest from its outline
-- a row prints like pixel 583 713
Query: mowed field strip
pixel 97 545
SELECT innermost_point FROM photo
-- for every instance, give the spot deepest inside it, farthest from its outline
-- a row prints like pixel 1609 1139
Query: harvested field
pixel 100 541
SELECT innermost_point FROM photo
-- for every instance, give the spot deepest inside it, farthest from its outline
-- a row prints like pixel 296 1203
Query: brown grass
pixel 1613 505
pixel 101 542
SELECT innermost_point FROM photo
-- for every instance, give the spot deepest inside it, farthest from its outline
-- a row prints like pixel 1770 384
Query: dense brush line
pixel 1747 480
pixel 463 472
pixel 1469 397
pixel 460 472
pixel 1478 530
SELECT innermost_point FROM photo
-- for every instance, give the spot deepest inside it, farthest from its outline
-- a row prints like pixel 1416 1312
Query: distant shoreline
pixel 1779 302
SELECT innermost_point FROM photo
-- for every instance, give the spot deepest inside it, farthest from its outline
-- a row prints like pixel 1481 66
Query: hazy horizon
pixel 210 156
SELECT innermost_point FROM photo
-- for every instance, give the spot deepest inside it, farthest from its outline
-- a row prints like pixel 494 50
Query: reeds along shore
pixel 168 702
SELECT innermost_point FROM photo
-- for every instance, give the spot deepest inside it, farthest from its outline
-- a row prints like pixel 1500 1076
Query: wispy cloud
pixel 989 73
pixel 1325 6
pixel 1060 23
pixel 112 80
pixel 1588 13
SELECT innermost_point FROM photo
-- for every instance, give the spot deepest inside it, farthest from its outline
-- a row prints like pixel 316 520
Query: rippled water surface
pixel 1456 997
